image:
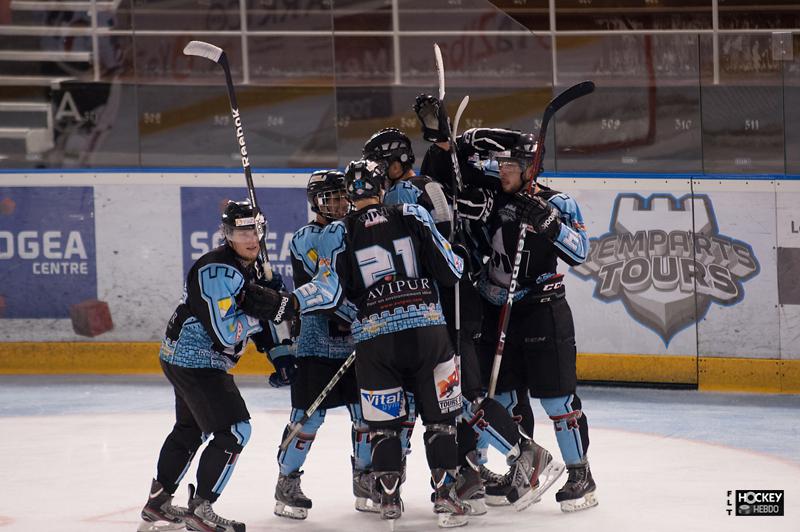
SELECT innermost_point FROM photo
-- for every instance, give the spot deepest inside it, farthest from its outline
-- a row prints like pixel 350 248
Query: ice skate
pixel 495 486
pixel 546 471
pixel 391 507
pixel 367 499
pixel 159 514
pixel 201 517
pixel 469 488
pixel 519 491
pixel 290 501
pixel 579 491
pixel 450 509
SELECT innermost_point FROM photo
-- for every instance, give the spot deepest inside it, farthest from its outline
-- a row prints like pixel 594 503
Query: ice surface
pixel 77 454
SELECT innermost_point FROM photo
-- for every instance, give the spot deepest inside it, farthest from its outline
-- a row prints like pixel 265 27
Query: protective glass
pixel 242 235
pixel 510 163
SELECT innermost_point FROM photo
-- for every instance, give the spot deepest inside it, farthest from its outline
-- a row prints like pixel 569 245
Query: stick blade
pixel 576 91
pixel 203 49
pixel 439 69
pixel 461 107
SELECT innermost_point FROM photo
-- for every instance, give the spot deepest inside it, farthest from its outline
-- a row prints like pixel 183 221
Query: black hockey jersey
pixel 538 268
pixel 387 260
pixel 209 329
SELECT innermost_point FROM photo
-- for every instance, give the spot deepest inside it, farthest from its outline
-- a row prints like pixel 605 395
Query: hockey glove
pixel 475 204
pixel 282 358
pixel 433 117
pixel 268 304
pixel 537 212
pixel 485 139
pixel 276 283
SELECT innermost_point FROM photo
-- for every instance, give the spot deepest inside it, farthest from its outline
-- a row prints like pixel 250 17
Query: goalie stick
pixel 297 426
pixel 217 55
pixel 572 93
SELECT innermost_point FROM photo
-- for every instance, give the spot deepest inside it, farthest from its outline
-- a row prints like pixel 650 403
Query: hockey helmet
pixel 389 145
pixel 240 219
pixel 327 194
pixel 364 179
pixel 522 153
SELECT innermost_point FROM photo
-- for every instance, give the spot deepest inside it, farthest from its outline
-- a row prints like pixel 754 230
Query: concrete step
pixel 36 55
pixel 33 81
pixel 25 106
pixel 52 5
pixel 43 31
pixel 37 140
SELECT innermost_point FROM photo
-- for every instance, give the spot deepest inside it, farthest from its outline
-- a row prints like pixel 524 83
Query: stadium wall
pixel 691 279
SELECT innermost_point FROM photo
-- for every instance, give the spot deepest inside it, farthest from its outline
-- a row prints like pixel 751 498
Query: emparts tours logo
pixel 755 502
pixel 653 261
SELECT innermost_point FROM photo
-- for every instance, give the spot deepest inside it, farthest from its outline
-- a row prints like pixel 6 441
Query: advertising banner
pixel 746 325
pixel 47 251
pixel 665 276
pixel 286 210
pixel 673 269
pixel 788 265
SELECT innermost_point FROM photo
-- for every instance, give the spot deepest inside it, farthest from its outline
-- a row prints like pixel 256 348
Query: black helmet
pixel 523 152
pixel 525 148
pixel 322 186
pixel 240 215
pixel 389 145
pixel 364 180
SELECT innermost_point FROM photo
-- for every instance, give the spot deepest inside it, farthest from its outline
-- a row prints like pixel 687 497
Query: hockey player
pixel 205 337
pixel 533 468
pixel 388 260
pixel 391 148
pixel 540 350
pixel 322 346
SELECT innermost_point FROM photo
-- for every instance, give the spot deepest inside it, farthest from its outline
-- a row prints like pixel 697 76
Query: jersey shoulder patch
pixel 305 242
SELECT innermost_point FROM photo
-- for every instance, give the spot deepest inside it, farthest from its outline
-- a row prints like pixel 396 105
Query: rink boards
pixel 690 279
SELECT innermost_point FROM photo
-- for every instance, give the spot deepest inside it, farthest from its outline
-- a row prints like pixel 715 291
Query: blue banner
pixel 286 210
pixel 47 250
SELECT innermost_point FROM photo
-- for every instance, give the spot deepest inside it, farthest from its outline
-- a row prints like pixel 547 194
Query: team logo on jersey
pixel 374 217
pixel 652 261
pixel 446 376
pixel 383 405
pixel 224 305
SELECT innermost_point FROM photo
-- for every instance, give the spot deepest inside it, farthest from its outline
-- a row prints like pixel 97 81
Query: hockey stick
pixel 461 107
pixel 217 55
pixel 572 93
pixel 297 426
pixel 457 183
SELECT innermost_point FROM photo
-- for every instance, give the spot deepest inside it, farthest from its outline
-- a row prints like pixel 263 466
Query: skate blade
pixel 547 478
pixel 476 506
pixel 589 501
pixel 391 515
pixel 162 526
pixel 497 500
pixel 448 520
pixel 292 512
pixel 364 504
pixel 524 501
